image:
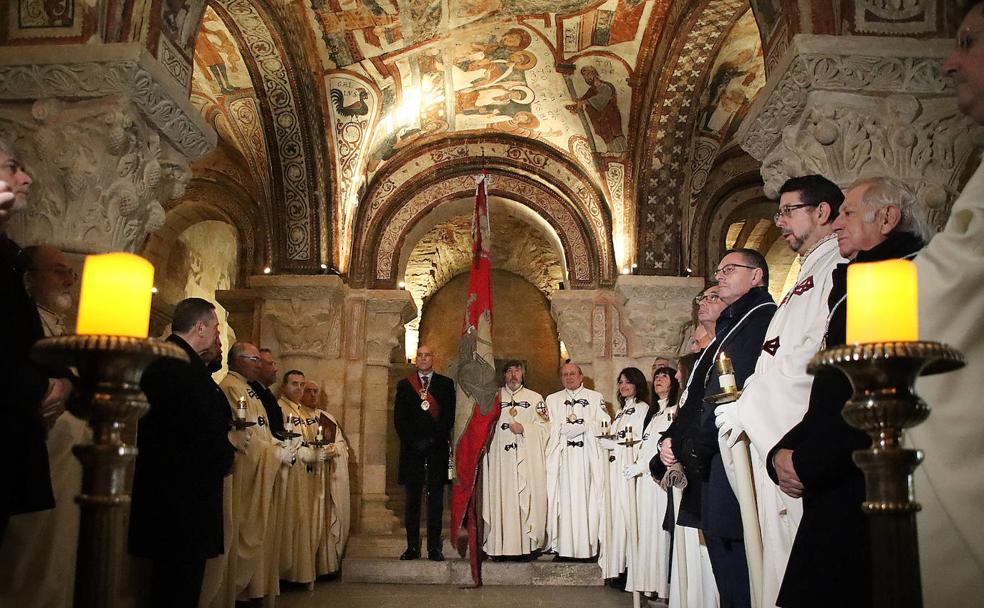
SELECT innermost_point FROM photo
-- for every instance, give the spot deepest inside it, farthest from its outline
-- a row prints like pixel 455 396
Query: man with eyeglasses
pixel 39 548
pixel 880 219
pixel 258 490
pixel 775 397
pixel 265 378
pixel 742 278
pixel 949 484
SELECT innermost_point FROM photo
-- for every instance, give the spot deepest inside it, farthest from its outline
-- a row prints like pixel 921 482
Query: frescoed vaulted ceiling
pixel 579 78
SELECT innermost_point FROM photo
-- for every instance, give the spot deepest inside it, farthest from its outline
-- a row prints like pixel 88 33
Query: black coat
pixel 720 514
pixel 25 475
pixel 183 456
pixel 424 440
pixel 275 416
pixel 830 563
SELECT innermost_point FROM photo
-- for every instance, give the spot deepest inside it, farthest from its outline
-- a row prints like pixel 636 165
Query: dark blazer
pixel 183 456
pixel 25 475
pixel 833 541
pixel 720 514
pixel 424 440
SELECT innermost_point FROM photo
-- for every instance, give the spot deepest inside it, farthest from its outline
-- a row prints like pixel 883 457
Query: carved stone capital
pixel 572 311
pixel 386 311
pixel 656 310
pixel 301 314
pixel 93 72
pixel 849 108
pixel 101 173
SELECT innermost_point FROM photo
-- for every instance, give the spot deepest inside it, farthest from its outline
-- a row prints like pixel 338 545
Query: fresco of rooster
pixel 356 108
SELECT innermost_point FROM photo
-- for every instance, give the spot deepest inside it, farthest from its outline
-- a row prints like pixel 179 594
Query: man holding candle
pixel 259 498
pixel 775 397
pixel 423 412
pixel 830 561
pixel 337 509
pixel 31 391
pixel 185 451
pixel 951 310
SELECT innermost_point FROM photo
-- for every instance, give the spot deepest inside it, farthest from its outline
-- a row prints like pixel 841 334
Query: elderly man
pixel 576 468
pixel 184 454
pixel 32 393
pixel 38 552
pixel 423 412
pixel 514 488
pixel 265 378
pixel 255 512
pixel 776 395
pixel 742 277
pixel 337 510
pixel 951 310
pixel 879 220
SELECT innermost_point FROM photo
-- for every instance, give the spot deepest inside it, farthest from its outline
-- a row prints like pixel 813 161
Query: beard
pixel 514 386
pixel 60 302
pixel 797 243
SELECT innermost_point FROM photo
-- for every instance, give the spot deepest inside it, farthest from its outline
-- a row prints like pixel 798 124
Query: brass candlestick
pixel 108 396
pixel 883 405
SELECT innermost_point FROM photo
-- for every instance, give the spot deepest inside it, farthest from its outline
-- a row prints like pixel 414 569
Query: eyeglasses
pixel 252 358
pixel 788 210
pixel 727 269
pixel 967 37
pixel 709 298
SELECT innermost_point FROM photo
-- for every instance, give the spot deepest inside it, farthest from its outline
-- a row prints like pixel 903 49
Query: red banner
pixel 478 399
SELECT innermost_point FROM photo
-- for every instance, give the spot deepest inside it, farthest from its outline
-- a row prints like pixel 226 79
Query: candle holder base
pixel 884 404
pixel 722 398
pixel 242 424
pixel 108 396
pixel 286 435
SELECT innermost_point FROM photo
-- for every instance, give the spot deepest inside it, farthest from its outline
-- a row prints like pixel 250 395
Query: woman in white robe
pixel 650 573
pixel 633 391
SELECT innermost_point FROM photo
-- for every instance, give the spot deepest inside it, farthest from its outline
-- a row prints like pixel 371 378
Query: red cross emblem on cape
pixel 802 287
pixel 771 346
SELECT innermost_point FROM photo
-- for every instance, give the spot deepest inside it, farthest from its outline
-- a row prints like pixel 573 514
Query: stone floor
pixel 339 594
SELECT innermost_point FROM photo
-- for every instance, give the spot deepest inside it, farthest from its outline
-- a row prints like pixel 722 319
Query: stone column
pixel 385 313
pixel 852 107
pixel 606 330
pixel 107 135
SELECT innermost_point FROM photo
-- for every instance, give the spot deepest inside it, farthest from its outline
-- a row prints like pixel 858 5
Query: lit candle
pixel 319 436
pixel 726 374
pixel 241 410
pixel 882 302
pixel 289 424
pixel 115 297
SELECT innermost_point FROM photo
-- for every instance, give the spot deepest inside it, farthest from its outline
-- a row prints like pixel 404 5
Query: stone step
pixel 387 545
pixel 543 572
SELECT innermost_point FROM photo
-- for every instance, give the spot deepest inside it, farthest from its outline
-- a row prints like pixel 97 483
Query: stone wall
pixel 522 327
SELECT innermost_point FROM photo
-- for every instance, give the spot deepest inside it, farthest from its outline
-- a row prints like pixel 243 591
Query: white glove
pixel 307 455
pixel 608 444
pixel 726 420
pixel 287 456
pixel 240 439
pixel 634 470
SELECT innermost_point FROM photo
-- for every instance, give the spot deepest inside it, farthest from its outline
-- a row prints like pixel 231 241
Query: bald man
pixel 576 468
pixel 423 413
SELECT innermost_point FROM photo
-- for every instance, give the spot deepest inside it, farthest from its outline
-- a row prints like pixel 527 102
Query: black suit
pixel 25 475
pixel 424 448
pixel 184 454
pixel 830 562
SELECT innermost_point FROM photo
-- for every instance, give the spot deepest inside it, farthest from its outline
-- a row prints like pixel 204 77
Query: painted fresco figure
pixel 600 102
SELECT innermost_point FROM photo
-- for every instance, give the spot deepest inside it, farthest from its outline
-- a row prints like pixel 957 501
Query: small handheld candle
pixel 289 424
pixel 241 409
pixel 319 436
pixel 726 374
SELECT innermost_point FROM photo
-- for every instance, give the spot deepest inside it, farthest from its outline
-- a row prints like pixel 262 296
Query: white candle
pixel 319 435
pixel 289 424
pixel 727 374
pixel 241 409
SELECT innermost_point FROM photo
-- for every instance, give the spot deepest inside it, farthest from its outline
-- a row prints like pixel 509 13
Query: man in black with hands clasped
pixel 424 417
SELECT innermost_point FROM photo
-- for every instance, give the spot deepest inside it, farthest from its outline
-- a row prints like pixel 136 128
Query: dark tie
pixel 425 381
